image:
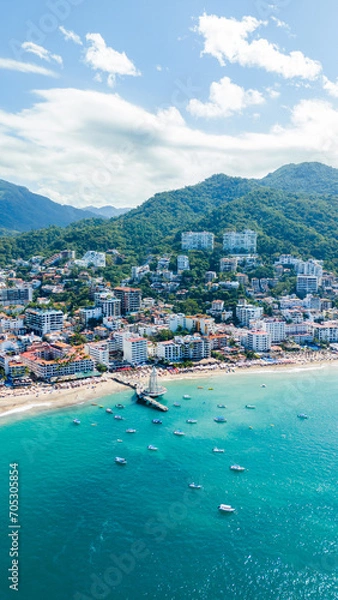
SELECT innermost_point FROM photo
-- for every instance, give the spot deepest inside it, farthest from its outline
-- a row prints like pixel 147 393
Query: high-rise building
pixel 197 240
pixel 130 299
pixel 238 243
pixel 43 321
pixel 182 263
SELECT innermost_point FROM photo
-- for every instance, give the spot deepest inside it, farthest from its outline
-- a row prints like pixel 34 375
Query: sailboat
pixel 154 389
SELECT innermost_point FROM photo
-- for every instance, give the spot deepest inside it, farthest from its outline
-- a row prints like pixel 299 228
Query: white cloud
pixel 225 99
pixel 23 67
pixel 41 52
pixel 330 87
pixel 159 68
pixel 273 93
pixel 228 39
pixel 101 57
pixel 70 36
pixel 87 147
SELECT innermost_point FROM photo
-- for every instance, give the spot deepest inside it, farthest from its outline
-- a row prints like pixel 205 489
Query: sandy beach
pixel 42 397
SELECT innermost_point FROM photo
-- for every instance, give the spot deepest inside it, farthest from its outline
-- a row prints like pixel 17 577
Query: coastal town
pixel 119 330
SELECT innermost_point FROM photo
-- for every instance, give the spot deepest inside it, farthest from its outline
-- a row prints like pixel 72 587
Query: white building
pixel 170 351
pixel 197 240
pixel 43 321
pixel 247 312
pixel 108 303
pixel 307 284
pixel 287 259
pixel 276 329
pixel 96 259
pixel 234 242
pixel 310 267
pixel 98 352
pixel 227 265
pixel 89 312
pixel 176 320
pixel 326 332
pixel 182 263
pixel 258 341
pixel 134 349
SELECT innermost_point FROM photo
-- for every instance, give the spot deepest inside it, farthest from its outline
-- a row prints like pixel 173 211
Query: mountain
pixel 309 177
pixel 21 210
pixel 107 212
pixel 286 222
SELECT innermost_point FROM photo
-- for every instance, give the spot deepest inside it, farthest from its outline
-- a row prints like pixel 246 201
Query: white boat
pixel 177 404
pixel 109 410
pixel 302 416
pixel 218 450
pixel 119 441
pixel 221 406
pixel 130 430
pixel 151 447
pixel 195 486
pixel 118 418
pixel 120 461
pixel 220 420
pixel 179 432
pixel 263 385
pixel 186 397
pixel 76 421
pixel 250 406
pixel 192 421
pixel 237 468
pixel 226 508
pixel 157 421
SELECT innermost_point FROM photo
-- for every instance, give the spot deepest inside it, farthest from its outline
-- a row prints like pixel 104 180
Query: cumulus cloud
pixel 70 36
pixel 330 87
pixel 23 67
pixel 229 39
pixel 87 147
pixel 101 57
pixel 41 52
pixel 225 99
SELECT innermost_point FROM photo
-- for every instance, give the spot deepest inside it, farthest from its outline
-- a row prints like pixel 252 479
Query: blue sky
pixel 108 103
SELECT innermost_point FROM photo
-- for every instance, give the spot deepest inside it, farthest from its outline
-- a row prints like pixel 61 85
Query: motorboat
pixel 179 432
pixel 195 486
pixel 109 410
pixel 210 388
pixel 120 441
pixel 177 404
pixel 118 418
pixel 237 468
pixel 119 405
pixel 220 420
pixel 226 508
pixel 218 450
pixel 200 387
pixel 192 421
pixel 263 385
pixel 221 406
pixel 76 421
pixel 302 416
pixel 130 430
pixel 151 447
pixel 250 406
pixel 157 421
pixel 120 461
pixel 186 397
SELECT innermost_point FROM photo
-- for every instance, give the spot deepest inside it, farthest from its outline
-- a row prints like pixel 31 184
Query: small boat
pixel 192 421
pixel 177 404
pixel 157 421
pixel 237 468
pixel 221 406
pixel 226 508
pixel 119 405
pixel 250 406
pixel 130 430
pixel 200 387
pixel 220 420
pixel 210 388
pixel 218 450
pixel 120 461
pixel 76 421
pixel 195 486
pixel 94 403
pixel 100 405
pixel 302 416
pixel 119 441
pixel 179 432
pixel 151 447
pixel 263 385
pixel 94 424
pixel 186 397
pixel 118 418
pixel 109 410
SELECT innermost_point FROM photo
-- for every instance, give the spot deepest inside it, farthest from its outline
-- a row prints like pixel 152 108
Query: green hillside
pixel 311 178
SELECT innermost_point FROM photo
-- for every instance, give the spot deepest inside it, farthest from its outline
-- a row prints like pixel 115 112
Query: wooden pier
pixel 141 397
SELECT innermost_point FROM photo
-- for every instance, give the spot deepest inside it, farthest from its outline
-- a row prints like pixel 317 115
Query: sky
pixel 104 102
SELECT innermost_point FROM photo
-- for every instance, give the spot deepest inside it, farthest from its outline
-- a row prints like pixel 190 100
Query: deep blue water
pixel 91 529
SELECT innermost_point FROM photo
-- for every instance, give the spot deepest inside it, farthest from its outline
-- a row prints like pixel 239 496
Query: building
pixel 182 263
pixel 194 347
pixel 326 332
pixel 198 240
pixel 95 259
pixel 210 276
pixel 109 304
pixel 58 360
pixel 16 295
pixel 43 321
pixel 258 341
pixel 98 352
pixel 135 349
pixel 307 284
pixel 87 313
pixel 138 272
pixel 130 299
pixel 245 242
pixel 310 267
pixel 228 265
pixel 276 329
pixel 247 312
pixel 217 306
pixel 170 351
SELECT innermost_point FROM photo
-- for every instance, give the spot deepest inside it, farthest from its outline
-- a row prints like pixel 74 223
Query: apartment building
pixel 43 321
pixel 244 242
pixel 130 299
pixel 198 240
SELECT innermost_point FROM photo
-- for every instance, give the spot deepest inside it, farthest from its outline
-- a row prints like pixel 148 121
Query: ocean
pixel 94 530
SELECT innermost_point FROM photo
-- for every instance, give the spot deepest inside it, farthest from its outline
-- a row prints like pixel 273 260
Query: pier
pixel 142 398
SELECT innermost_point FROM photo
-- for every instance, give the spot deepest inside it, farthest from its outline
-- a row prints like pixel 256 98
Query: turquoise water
pixel 91 529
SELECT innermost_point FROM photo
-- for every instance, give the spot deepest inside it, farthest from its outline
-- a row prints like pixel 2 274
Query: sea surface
pixel 95 530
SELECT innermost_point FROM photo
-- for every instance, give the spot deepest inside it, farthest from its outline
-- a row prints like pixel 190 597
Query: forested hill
pixel 286 222
pixel 310 178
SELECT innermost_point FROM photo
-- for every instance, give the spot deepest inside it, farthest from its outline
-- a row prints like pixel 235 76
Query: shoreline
pixel 42 399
